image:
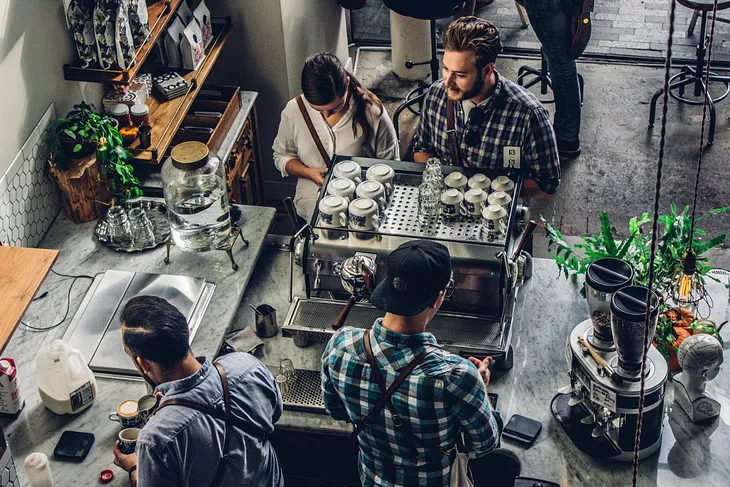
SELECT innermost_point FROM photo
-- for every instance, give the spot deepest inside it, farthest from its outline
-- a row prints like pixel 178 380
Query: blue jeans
pixel 551 23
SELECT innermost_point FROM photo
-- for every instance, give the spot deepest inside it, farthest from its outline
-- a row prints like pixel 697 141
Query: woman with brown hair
pixel 347 119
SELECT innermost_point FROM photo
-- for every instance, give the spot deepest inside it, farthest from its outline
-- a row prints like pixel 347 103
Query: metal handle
pixel 289 205
pixel 203 113
pixel 525 237
pixel 340 320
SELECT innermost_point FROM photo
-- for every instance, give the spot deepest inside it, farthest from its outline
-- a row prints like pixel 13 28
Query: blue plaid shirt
pixel 513 117
pixel 443 394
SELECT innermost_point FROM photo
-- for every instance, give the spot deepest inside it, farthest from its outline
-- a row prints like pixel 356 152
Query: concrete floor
pixel 617 170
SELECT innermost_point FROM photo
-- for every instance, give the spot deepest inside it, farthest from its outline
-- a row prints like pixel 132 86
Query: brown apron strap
pixel 451 132
pixel 227 402
pixel 313 132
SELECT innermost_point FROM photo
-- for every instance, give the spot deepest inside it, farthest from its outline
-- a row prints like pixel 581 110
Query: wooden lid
pixel 190 155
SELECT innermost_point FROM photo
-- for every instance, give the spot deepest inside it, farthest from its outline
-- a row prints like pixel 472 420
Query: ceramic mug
pixel 348 170
pixel 452 203
pixel 479 181
pixel 364 214
pixel 128 440
pixel 456 180
pixel 146 406
pixel 494 222
pixel 127 414
pixel 342 187
pixel 373 190
pixel 500 198
pixel 382 173
pixel 475 200
pixel 333 211
pixel 503 183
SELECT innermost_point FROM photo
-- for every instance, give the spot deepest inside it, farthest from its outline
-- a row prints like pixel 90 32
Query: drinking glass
pixel 286 367
pixel 429 202
pixel 119 229
pixel 141 228
pixel 433 173
pixel 284 384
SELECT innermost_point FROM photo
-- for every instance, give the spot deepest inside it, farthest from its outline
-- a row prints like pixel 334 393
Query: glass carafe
pixel 196 193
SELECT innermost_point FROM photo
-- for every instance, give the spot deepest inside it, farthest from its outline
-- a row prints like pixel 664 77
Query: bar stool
pixel 430 10
pixel 696 74
pixel 542 76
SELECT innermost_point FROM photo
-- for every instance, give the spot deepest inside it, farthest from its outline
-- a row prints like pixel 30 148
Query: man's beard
pixel 475 89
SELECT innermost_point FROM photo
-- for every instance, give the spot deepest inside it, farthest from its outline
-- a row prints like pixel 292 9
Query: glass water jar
pixel 603 278
pixel 196 193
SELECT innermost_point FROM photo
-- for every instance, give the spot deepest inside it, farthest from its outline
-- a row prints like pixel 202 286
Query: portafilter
pixel 357 275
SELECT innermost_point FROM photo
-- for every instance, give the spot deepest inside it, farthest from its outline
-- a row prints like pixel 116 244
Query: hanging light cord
pixel 655 225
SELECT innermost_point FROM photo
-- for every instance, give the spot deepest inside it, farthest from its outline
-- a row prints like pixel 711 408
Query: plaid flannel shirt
pixel 514 117
pixel 443 395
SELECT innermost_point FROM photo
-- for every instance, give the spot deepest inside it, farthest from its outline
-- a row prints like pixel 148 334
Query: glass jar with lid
pixel 120 113
pixel 195 189
pixel 140 114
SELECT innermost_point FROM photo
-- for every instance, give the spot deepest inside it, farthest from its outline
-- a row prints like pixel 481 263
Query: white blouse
pixel 295 141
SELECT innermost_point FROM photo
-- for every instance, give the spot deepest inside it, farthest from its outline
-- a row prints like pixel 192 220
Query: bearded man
pixel 474 117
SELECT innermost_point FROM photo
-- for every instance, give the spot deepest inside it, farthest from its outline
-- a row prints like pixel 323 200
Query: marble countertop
pixel 549 308
pixel 36 428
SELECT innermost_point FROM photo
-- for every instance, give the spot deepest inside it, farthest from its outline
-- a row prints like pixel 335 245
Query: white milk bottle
pixel 65 383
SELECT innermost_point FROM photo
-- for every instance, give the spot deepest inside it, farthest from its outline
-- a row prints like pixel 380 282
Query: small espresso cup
pixel 348 170
pixel 494 222
pixel 342 187
pixel 479 181
pixel 373 190
pixel 500 198
pixel 364 214
pixel 456 180
pixel 127 414
pixel 503 183
pixel 333 212
pixel 475 200
pixel 128 440
pixel 382 173
pixel 452 203
pixel 146 406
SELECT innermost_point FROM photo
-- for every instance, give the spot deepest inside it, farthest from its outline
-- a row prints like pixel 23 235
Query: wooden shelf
pixel 160 13
pixel 166 116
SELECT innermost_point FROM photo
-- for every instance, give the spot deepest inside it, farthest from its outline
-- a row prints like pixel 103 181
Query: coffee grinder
pixel 599 409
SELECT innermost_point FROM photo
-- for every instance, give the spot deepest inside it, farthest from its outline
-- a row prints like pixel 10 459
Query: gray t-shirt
pixel 181 446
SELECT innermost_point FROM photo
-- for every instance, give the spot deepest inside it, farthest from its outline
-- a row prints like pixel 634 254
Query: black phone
pixel 522 429
pixel 73 446
pixel 493 398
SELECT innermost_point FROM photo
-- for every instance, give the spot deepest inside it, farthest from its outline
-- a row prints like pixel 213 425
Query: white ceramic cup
pixel 456 180
pixel 333 211
pixel 364 214
pixel 503 183
pixel 382 173
pixel 373 190
pixel 475 200
pixel 480 181
pixel 452 203
pixel 348 170
pixel 494 222
pixel 342 187
pixel 128 440
pixel 500 198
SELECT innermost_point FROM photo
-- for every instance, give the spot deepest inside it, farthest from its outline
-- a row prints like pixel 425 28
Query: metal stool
pixel 696 74
pixel 542 76
pixel 430 10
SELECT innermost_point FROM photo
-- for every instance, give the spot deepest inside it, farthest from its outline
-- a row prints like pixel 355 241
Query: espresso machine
pixel 599 409
pixel 475 321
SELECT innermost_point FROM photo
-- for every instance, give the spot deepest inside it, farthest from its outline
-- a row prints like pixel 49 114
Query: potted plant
pixel 80 130
pixel 635 249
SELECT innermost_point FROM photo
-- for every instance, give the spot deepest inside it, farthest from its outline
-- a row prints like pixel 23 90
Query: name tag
pixel 511 157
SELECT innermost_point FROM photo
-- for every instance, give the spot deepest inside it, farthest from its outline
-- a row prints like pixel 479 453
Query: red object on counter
pixel 106 476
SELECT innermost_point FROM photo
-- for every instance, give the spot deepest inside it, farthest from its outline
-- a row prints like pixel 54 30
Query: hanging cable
pixel 655 226
pixel 68 302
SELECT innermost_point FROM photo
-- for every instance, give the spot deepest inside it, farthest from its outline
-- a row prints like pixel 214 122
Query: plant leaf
pixel 77 147
pixel 607 235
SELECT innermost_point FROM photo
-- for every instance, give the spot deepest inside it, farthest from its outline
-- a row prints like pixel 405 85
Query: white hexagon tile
pixel 29 198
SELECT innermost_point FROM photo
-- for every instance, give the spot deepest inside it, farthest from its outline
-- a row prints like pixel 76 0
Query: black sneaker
pixel 568 150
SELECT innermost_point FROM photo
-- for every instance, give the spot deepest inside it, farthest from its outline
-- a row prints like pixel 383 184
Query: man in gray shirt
pixel 184 444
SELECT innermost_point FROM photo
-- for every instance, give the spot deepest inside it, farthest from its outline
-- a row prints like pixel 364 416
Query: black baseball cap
pixel 417 271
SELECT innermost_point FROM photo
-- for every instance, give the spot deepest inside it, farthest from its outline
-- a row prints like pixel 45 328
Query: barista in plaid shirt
pixel 443 395
pixel 490 112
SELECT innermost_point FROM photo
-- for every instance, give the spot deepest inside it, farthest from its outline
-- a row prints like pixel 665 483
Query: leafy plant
pixel 84 126
pixel 636 248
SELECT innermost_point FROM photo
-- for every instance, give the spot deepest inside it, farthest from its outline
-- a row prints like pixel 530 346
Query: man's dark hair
pixel 474 34
pixel 155 330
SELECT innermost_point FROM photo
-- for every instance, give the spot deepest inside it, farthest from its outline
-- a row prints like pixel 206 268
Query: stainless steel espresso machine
pixel 599 410
pixel 475 321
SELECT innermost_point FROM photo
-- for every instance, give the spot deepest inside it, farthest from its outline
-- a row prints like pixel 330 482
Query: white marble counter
pixel 691 454
pixel 37 428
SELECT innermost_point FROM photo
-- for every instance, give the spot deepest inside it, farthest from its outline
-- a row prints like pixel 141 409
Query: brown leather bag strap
pixel 451 133
pixel 313 132
pixel 227 402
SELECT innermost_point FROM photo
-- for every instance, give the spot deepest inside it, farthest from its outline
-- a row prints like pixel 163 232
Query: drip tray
pixel 96 326
pixel 305 394
pixel 310 320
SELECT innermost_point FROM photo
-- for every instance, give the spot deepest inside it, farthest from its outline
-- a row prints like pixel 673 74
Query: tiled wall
pixel 29 199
